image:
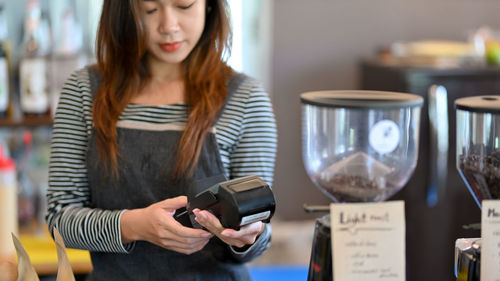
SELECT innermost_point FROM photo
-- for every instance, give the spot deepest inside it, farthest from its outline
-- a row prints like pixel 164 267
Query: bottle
pixel 8 205
pixel 4 83
pixel 4 65
pixel 66 56
pixel 27 190
pixel 33 63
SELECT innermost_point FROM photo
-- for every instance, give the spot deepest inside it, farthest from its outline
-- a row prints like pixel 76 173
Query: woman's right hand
pixel 157 225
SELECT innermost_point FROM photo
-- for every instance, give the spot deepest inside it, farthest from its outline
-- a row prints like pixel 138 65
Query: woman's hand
pixel 238 238
pixel 156 225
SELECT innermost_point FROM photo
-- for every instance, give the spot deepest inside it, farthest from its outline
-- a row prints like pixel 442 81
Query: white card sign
pixel 368 241
pixel 490 244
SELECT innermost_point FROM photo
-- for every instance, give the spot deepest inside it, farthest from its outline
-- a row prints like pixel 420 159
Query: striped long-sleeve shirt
pixel 245 134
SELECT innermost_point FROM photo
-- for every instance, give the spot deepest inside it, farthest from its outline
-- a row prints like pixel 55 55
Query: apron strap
pixel 234 83
pixel 232 86
pixel 95 79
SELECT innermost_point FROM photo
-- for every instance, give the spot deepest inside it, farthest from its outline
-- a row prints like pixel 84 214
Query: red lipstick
pixel 171 47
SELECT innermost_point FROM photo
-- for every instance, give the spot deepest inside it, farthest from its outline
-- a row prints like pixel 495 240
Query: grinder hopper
pixel 478 145
pixel 360 146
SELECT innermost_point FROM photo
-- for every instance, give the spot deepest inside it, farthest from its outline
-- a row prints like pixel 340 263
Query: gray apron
pixel 146 162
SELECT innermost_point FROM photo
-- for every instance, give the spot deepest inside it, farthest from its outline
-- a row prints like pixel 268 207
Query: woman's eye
pixel 187 6
pixel 149 12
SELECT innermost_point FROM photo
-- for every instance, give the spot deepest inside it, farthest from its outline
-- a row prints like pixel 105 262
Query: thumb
pixel 173 204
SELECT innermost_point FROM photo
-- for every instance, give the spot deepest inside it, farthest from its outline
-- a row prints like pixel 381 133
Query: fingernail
pixel 199 218
pixel 206 235
pixel 201 215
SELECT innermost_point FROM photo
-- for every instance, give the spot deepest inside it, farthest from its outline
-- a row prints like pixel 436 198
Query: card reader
pixel 235 203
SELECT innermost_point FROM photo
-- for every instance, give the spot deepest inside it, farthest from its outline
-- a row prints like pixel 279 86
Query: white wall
pixel 252 38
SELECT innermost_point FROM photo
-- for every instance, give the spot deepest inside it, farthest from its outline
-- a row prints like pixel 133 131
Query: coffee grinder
pixel 358 146
pixel 478 162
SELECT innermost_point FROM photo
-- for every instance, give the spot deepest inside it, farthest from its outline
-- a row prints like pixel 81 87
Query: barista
pixel 159 111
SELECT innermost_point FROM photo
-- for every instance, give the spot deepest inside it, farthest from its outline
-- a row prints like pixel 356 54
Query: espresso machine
pixel 478 163
pixel 358 146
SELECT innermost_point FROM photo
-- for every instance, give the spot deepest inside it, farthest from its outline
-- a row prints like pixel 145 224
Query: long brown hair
pixel 121 50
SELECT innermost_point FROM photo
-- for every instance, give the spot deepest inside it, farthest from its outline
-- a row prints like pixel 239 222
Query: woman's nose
pixel 169 22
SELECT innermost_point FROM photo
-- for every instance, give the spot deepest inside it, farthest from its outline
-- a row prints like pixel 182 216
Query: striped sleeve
pixel 254 151
pixel 68 193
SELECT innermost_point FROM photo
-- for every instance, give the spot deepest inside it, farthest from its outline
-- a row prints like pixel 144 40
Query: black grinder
pixel 357 146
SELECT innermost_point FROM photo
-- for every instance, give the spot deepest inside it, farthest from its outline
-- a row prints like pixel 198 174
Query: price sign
pixel 368 241
pixel 490 244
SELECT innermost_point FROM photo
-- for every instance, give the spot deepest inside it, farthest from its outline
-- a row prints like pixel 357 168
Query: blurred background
pixel 292 46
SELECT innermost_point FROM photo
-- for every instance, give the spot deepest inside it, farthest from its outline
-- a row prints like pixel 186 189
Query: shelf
pixel 27 121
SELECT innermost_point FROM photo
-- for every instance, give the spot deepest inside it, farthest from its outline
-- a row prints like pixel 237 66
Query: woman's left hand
pixel 237 238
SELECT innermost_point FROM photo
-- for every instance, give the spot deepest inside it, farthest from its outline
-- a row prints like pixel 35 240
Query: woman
pixel 160 112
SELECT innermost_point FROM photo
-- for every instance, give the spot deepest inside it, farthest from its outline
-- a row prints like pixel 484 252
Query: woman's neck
pixel 162 72
pixel 166 86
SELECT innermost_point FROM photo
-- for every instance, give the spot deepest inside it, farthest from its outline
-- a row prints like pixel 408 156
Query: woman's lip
pixel 171 47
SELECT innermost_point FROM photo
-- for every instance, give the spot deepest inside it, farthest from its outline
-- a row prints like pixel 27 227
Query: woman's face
pixel 173 28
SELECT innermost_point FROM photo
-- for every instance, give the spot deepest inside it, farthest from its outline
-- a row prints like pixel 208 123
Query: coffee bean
pixel 352 188
pixel 482 172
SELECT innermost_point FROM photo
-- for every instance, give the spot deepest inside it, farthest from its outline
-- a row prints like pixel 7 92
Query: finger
pixel 255 228
pixel 173 204
pixel 229 232
pixel 186 232
pixel 213 224
pixel 247 234
pixel 238 239
pixel 193 245
pixel 186 240
pixel 208 220
pixel 184 248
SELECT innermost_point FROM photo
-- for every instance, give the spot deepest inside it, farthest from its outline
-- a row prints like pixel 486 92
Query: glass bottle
pixel 67 55
pixel 4 65
pixel 33 63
